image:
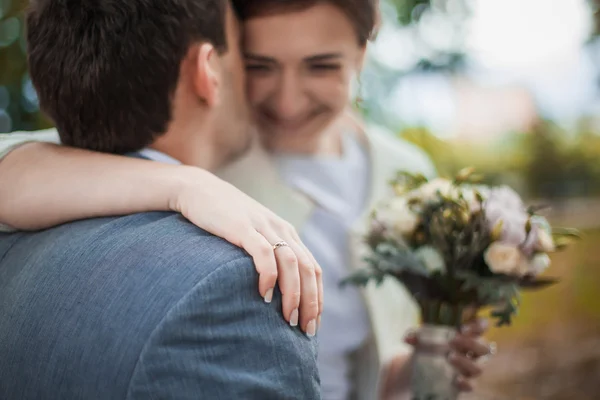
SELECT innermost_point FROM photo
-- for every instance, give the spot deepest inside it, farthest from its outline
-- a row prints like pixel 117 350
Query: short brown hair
pixel 362 13
pixel 106 70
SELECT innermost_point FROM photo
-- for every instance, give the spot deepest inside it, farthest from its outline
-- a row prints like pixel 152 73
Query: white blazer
pixel 392 311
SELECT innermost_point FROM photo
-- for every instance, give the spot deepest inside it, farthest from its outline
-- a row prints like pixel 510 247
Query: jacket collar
pixel 256 175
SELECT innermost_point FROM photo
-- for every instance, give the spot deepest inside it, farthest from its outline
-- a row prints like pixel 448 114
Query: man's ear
pixel 206 74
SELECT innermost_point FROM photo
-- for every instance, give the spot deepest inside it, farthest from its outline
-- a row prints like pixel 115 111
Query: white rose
pixel 431 259
pixel 470 197
pixel 539 263
pixel 506 259
pixel 430 190
pixel 398 216
pixel 545 242
pixel 483 190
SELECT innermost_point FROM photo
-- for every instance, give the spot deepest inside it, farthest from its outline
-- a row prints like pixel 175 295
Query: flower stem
pixel 441 313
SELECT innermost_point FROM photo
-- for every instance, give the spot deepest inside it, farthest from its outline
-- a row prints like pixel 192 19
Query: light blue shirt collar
pixel 159 156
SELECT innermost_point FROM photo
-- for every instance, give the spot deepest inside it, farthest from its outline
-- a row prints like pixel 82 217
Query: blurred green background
pixel 511 87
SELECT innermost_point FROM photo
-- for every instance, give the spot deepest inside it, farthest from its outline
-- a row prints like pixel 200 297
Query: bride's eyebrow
pixel 324 57
pixel 258 58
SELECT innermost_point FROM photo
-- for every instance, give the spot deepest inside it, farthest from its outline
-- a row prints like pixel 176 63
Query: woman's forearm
pixel 43 185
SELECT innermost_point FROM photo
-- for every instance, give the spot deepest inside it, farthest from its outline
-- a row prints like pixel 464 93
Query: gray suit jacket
pixel 145 306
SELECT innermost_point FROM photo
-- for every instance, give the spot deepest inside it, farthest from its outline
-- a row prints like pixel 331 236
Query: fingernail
pixel 484 323
pixel 465 329
pixel 294 318
pixel 463 385
pixel 269 296
pixel 319 322
pixel 311 328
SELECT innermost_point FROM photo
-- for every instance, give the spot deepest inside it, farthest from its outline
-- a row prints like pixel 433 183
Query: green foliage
pixel 595 5
pixel 546 162
pixel 18 103
pixel 415 13
pixel 408 181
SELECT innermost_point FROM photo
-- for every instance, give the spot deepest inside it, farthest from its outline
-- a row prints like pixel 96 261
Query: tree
pixel 19 108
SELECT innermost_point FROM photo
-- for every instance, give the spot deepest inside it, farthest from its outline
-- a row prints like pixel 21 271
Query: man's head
pixel 116 75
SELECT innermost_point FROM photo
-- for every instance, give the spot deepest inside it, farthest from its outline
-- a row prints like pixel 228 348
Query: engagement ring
pixel 282 243
pixel 492 349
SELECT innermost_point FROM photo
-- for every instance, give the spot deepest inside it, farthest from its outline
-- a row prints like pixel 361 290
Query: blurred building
pixel 486 112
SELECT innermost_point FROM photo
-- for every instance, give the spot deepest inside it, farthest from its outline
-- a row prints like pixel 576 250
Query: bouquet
pixel 458 246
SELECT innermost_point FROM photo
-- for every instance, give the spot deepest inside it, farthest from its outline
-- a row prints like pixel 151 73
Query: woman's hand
pixel 466 353
pixel 219 208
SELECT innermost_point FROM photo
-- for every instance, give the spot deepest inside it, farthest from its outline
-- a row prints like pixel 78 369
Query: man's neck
pixel 190 148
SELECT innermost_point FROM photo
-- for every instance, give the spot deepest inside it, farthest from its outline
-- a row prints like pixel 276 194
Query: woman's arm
pixel 10 141
pixel 42 185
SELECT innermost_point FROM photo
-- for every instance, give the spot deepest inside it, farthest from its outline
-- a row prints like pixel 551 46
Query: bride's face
pixel 299 66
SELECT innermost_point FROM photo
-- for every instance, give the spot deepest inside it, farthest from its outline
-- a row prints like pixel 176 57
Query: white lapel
pixel 256 175
pixel 391 308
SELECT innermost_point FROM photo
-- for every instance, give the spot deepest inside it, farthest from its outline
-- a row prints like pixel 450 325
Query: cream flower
pixel 539 263
pixel 430 190
pixel 431 259
pixel 398 217
pixel 470 196
pixel 545 242
pixel 503 258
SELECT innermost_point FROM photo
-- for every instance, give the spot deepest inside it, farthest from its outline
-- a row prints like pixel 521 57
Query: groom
pixel 147 305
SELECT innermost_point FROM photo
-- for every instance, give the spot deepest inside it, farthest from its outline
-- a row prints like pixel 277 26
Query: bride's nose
pixel 289 100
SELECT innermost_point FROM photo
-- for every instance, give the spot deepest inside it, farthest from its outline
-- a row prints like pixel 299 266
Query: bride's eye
pixel 323 67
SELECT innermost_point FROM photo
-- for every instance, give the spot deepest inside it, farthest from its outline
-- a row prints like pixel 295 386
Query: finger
pixel 289 276
pixel 463 384
pixel 475 328
pixel 411 338
pixel 265 263
pixel 319 277
pixel 468 345
pixel 464 365
pixel 318 272
pixel 289 283
pixel 309 301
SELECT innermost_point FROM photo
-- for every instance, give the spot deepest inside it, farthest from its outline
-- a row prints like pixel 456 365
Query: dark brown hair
pixel 362 13
pixel 105 70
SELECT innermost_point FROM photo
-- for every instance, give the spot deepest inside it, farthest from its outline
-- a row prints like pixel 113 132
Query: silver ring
pixel 492 349
pixel 279 244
